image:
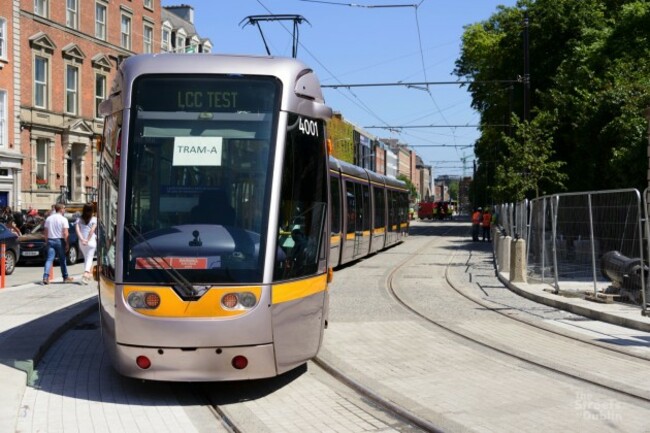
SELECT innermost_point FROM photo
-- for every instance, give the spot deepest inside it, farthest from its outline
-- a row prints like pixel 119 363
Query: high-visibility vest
pixel 487 219
pixel 476 217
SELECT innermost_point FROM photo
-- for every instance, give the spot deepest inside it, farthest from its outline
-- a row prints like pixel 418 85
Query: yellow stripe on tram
pixel 298 289
pixel 209 305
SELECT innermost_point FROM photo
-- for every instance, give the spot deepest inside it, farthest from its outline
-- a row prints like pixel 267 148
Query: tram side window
pixel 303 201
pixel 335 185
pixel 380 207
pixel 351 207
pixel 107 228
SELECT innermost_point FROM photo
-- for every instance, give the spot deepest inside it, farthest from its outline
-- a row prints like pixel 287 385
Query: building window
pixel 125 32
pixel 100 21
pixel 147 39
pixel 42 145
pixel 165 45
pixel 3 38
pixel 71 14
pixel 192 47
pixel 148 4
pixel 180 44
pixel 179 41
pixel 71 89
pixel 4 119
pixel 40 82
pixel 40 8
pixel 100 91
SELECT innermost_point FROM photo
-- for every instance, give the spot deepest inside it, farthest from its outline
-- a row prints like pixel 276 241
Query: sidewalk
pixel 32 316
pixel 571 298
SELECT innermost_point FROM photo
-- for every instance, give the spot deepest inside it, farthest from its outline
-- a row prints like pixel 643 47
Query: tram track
pixel 399 411
pixel 336 391
pixel 582 376
pixel 249 404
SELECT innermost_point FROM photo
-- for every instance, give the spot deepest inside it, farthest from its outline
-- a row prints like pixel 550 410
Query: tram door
pixel 358 220
pixel 393 217
pixel 335 221
pixel 363 224
pixel 349 245
pixel 379 219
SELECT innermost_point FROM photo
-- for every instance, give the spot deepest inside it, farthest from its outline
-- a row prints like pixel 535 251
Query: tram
pixel 214 217
pixel 369 212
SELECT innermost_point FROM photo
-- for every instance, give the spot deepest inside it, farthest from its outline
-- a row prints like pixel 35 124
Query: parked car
pixel 12 253
pixel 33 246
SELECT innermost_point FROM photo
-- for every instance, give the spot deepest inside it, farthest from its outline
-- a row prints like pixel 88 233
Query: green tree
pixel 529 168
pixel 454 187
pixel 413 191
pixel 589 72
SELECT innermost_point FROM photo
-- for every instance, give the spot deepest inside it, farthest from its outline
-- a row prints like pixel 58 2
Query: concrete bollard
pixel 495 246
pixel 518 261
pixel 504 254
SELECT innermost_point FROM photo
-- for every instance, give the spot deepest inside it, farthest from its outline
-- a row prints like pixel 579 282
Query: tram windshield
pixel 199 175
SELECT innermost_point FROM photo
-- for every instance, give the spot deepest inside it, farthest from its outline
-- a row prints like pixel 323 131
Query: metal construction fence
pixel 598 238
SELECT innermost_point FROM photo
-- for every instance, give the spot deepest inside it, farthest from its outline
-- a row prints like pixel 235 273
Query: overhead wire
pixel 424 71
pixel 358 102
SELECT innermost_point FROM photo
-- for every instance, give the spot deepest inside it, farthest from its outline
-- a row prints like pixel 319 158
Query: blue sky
pixel 355 44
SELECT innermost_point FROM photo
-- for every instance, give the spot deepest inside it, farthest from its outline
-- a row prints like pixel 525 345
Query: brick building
pixel 10 154
pixel 58 59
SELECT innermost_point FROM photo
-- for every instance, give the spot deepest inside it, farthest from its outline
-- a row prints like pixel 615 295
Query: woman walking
pixel 86 226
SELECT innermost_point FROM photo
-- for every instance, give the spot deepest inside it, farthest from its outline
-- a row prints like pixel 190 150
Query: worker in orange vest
pixel 487 221
pixel 476 223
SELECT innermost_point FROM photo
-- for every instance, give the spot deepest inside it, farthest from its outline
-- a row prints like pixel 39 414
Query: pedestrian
pixel 56 232
pixel 11 225
pixel 476 223
pixel 85 228
pixel 487 221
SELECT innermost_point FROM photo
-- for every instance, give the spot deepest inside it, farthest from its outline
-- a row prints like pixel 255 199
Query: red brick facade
pixel 10 157
pixel 62 63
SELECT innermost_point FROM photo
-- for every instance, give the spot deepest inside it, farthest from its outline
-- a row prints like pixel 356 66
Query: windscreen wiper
pixel 188 289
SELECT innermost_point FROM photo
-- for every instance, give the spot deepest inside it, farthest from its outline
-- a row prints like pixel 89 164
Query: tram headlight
pixel 247 300
pixel 146 300
pixel 238 301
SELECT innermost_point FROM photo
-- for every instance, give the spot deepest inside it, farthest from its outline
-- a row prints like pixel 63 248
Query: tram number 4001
pixel 309 127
